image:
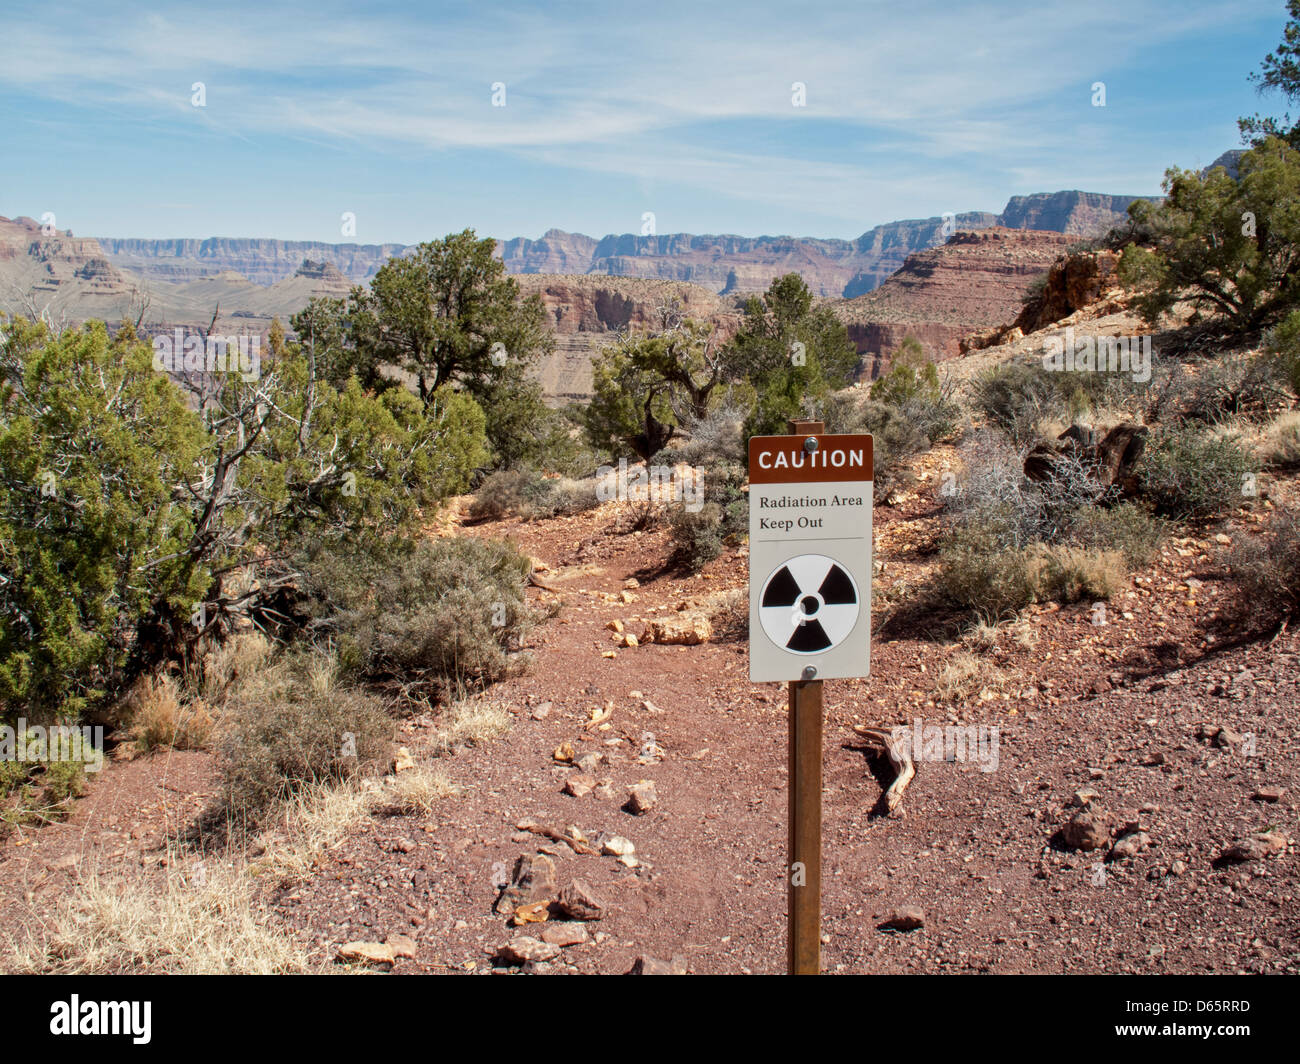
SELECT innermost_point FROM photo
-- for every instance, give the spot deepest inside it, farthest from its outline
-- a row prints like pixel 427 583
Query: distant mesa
pixel 726 264
pixel 937 278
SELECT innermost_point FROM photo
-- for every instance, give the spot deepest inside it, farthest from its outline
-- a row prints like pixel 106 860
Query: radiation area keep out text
pixel 784 523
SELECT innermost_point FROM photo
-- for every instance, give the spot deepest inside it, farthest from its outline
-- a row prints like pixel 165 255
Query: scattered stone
pixel 403 761
pixel 605 790
pixel 535 912
pixel 542 711
pixel 1227 738
pixel 401 945
pixel 617 847
pixel 629 860
pixel 615 626
pixel 1208 731
pixel 650 708
pixel 905 918
pixel 1269 794
pixel 569 933
pixel 685 630
pixel 588 763
pixel 578 902
pixel 1130 845
pixel 376 954
pixel 644 965
pixel 629 640
pixel 1084 798
pixel 632 582
pixel 1255 848
pixel 523 949
pixel 580 785
pixel 1177 868
pixel 564 753
pixel 1153 760
pixel 642 797
pixel 1086 831
pixel 575 833
pixel 533 880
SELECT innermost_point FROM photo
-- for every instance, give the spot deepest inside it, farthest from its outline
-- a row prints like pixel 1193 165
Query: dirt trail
pixel 1113 708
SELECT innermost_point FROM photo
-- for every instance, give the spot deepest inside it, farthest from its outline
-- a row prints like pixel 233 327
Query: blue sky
pixel 612 110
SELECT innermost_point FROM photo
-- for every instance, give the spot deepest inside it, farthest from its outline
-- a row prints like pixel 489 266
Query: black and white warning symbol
pixel 809 604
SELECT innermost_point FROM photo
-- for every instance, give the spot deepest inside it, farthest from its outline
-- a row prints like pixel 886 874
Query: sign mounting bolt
pixel 810 444
pixel 810 672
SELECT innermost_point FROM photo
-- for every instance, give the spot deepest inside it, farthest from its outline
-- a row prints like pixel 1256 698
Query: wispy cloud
pixel 633 91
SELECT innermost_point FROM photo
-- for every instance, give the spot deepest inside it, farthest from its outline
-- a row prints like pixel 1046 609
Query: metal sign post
pixel 810 619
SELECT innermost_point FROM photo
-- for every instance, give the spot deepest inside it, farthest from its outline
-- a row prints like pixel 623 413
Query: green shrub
pixel 528 494
pixel 292 727
pixel 430 613
pixel 696 537
pixel 1190 472
pixel 93 528
pixel 977 574
pixel 1124 527
pixel 1017 397
pixel 1268 568
pixel 38 791
pixel 896 438
pixel 913 387
pixel 723 519
pixel 1283 345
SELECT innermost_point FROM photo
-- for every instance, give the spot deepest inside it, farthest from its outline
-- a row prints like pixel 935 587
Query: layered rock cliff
pixel 975 281
pixel 725 264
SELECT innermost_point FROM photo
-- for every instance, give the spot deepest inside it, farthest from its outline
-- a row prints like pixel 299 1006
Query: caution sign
pixel 809 557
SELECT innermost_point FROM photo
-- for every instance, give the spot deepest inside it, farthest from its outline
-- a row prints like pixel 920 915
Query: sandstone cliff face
pixel 58 272
pixel 586 311
pixel 263 262
pixel 974 281
pixel 725 264
pixel 1075 213
pixel 1074 281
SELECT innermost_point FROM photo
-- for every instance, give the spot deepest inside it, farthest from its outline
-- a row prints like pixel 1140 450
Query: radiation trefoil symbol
pixel 809 605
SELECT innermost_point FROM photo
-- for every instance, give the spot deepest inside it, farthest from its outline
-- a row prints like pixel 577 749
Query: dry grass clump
pixel 1280 446
pixel 963 676
pixel 190 923
pixel 966 676
pixel 413 792
pixel 162 717
pixel 1071 574
pixel 308 824
pixel 228 664
pixel 471 722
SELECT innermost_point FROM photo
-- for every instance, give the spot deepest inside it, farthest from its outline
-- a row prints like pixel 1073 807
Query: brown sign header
pixel 784 459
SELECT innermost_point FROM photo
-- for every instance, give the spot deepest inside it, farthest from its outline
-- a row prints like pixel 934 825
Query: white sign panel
pixel 809 557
